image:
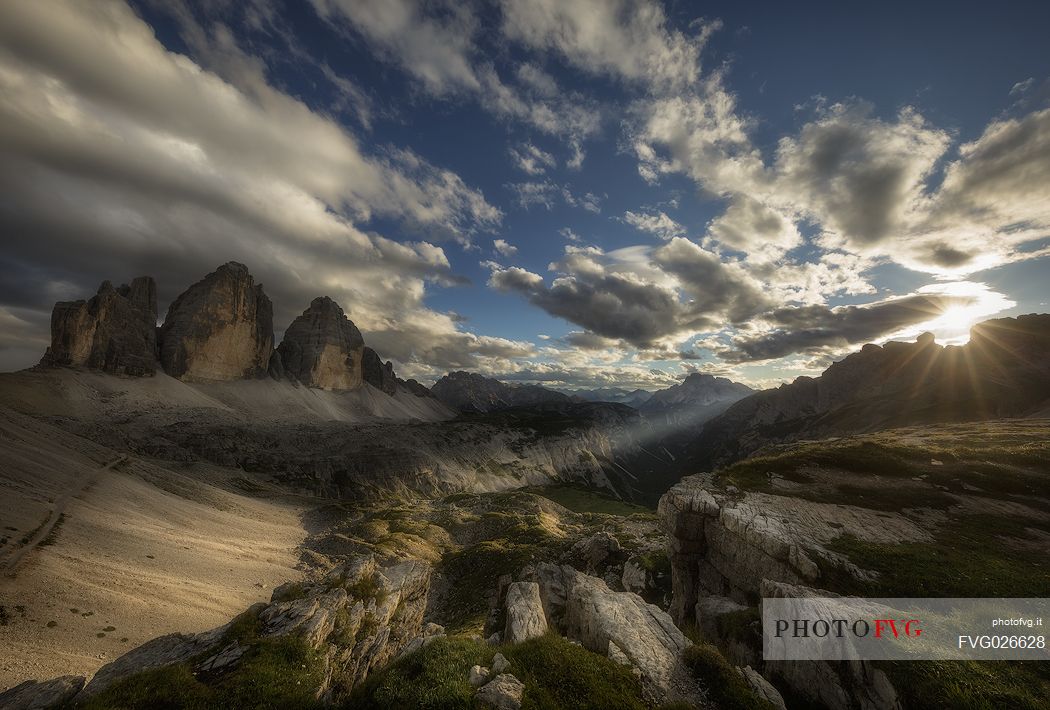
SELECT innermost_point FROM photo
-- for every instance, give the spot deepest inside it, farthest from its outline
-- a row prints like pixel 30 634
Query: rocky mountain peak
pixel 114 331
pixel 220 328
pixel 323 348
pixel 698 389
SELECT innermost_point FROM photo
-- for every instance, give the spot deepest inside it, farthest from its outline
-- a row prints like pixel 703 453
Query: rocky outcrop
pixel 357 619
pixel 220 328
pixel 377 373
pixel 34 695
pixel 724 543
pixel 620 625
pixel 470 392
pixel 594 551
pixel 323 348
pixel 504 692
pixel 1002 372
pixel 525 617
pixel 114 331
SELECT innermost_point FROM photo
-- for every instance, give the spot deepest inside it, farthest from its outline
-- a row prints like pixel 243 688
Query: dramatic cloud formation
pixel 648 299
pixel 120 156
pixel 808 328
pixel 372 150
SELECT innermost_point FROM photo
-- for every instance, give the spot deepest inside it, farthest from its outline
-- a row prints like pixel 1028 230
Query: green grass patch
pixel 367 588
pixel 725 686
pixel 557 674
pixel 274 673
pixel 433 678
pixel 583 500
pixel 974 556
pixel 475 570
pixel 909 468
pixel 971 685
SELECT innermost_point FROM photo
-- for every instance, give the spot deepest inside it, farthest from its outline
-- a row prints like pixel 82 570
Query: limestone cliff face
pixel 220 328
pixel 729 550
pixel 114 331
pixel 323 348
pixel 377 373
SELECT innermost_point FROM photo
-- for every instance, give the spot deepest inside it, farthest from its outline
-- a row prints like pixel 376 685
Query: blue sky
pixel 576 193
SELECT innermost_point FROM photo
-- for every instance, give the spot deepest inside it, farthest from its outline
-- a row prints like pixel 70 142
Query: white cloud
pixel 532 160
pixel 502 247
pixel 658 223
pixel 436 47
pixel 546 194
pixel 569 235
pixel 625 39
pixel 1022 87
pixel 647 298
pixel 435 43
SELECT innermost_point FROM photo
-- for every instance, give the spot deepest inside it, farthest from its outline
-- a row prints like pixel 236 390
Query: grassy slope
pixel 583 500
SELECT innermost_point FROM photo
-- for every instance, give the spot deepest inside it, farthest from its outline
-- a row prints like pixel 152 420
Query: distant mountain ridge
pixel 698 393
pixel 1004 371
pixel 619 395
pixel 471 392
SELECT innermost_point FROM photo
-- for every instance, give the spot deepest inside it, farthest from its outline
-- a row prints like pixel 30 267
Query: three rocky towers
pixel 219 329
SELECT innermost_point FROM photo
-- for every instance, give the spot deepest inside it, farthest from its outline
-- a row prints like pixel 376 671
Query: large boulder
pixel 323 348
pixel 114 331
pixel 525 617
pixel 622 626
pixel 220 328
pixel 504 692
pixel 377 373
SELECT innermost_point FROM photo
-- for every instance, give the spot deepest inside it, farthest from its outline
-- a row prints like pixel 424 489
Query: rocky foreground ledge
pixel 729 550
pixel 957 510
pixel 330 636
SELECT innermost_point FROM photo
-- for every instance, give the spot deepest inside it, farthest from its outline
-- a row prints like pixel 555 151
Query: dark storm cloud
pixel 680 289
pixel 713 285
pixel 810 328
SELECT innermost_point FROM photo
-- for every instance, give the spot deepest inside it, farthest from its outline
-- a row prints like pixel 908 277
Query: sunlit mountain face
pixel 576 194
